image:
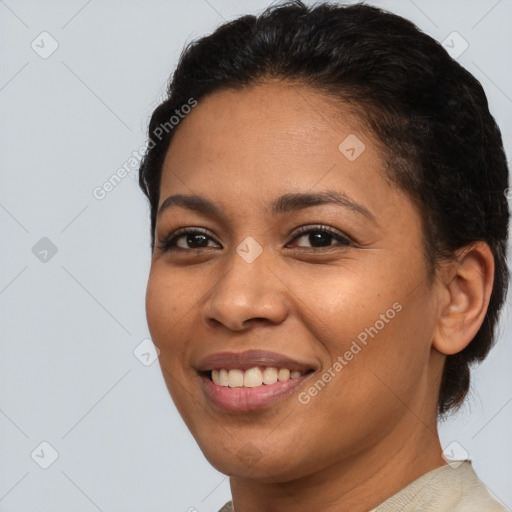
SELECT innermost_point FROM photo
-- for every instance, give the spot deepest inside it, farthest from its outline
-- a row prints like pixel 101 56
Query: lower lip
pixel 249 399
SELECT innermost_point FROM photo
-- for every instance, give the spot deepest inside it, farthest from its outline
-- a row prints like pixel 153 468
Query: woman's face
pixel 347 302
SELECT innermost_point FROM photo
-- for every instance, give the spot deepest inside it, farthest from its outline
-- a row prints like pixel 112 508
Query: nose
pixel 247 294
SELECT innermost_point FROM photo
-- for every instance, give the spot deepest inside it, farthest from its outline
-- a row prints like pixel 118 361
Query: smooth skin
pixel 373 428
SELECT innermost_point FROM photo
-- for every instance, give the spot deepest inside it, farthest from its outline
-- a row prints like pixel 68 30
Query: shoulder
pixel 228 507
pixel 474 495
pixel 450 488
pixel 454 487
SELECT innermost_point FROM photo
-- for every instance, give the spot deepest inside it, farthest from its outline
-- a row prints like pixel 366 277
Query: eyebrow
pixel 284 204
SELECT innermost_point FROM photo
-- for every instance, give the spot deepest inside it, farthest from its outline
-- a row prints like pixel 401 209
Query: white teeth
pixel 224 378
pixel 270 375
pixel 235 379
pixel 253 377
pixel 284 374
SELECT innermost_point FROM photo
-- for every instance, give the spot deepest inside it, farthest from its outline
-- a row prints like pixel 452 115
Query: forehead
pixel 244 150
pixel 272 134
pixel 275 112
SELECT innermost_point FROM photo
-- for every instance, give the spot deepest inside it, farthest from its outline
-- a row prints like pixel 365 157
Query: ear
pixel 464 287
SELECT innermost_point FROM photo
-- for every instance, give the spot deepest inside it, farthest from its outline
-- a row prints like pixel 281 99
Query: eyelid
pixel 307 228
pixel 167 242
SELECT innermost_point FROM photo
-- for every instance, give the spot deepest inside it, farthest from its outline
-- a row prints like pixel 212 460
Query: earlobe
pixel 465 287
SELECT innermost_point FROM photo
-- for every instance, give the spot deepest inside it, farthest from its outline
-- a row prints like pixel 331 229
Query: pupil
pixel 192 239
pixel 319 236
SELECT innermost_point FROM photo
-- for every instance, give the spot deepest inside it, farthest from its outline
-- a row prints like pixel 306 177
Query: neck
pixel 353 485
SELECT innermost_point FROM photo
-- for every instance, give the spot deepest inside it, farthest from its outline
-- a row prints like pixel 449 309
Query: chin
pixel 269 465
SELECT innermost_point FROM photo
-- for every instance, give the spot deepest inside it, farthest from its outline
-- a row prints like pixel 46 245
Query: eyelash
pixel 168 243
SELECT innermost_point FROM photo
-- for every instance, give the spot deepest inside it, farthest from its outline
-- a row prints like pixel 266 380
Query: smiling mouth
pixel 252 377
pixel 236 397
pixel 239 382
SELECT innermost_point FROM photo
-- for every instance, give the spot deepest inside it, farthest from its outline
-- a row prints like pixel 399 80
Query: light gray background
pixel 70 324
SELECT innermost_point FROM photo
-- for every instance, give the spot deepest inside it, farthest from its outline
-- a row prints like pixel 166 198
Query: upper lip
pixel 250 359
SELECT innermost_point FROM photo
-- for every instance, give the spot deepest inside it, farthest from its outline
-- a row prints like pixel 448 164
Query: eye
pixel 194 239
pixel 320 237
pixel 186 240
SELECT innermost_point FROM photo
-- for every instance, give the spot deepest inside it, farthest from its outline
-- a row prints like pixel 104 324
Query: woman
pixel 329 227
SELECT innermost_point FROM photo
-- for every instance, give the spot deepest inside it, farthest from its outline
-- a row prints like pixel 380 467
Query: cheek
pixel 389 355
pixel 166 317
pixel 343 305
pixel 166 308
pixel 159 309
pixel 368 324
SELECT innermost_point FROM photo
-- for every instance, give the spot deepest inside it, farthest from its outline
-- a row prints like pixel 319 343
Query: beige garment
pixel 450 488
